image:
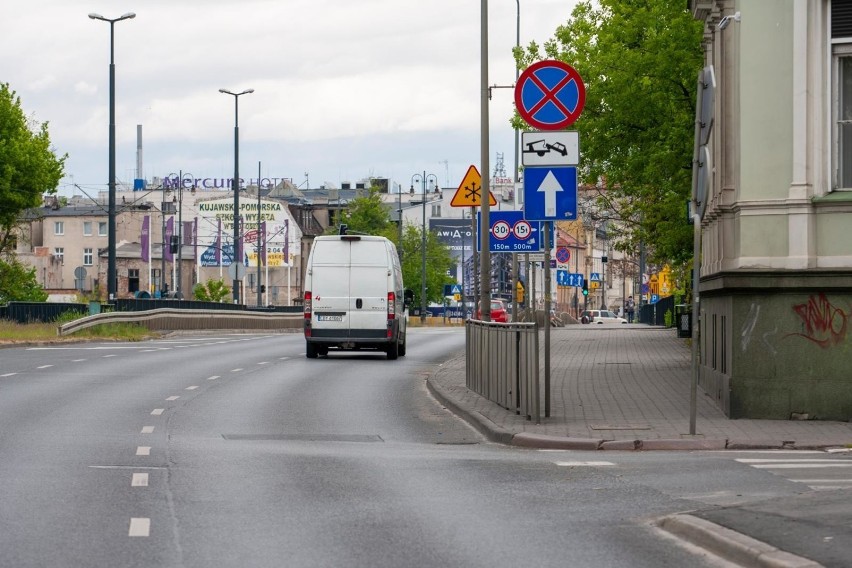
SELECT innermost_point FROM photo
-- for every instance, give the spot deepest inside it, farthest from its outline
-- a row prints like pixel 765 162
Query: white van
pixel 354 296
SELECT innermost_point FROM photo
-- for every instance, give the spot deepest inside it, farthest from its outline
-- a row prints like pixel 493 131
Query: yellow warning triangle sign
pixel 469 193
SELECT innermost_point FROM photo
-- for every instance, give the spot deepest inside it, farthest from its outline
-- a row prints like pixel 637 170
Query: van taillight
pixel 308 306
pixel 391 305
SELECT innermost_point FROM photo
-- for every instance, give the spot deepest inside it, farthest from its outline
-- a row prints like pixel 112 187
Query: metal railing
pixel 502 365
pixel 178 319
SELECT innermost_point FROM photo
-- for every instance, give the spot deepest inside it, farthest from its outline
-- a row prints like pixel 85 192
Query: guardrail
pixel 502 365
pixel 177 319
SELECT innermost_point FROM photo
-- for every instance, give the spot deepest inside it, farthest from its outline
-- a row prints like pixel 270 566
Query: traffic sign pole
pixel 547 300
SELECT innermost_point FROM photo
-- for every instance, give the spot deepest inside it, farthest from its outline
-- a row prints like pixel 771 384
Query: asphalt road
pixel 235 450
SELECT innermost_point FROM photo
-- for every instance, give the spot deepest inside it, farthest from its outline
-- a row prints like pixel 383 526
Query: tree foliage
pixel 212 291
pixel 366 215
pixel 438 262
pixel 28 167
pixel 639 60
pixel 369 216
pixel 18 283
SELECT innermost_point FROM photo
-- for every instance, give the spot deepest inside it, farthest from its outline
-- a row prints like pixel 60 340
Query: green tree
pixel 18 283
pixel 366 215
pixel 212 291
pixel 639 60
pixel 438 262
pixel 29 169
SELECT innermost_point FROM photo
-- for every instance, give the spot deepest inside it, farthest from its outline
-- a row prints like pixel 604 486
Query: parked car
pixel 499 312
pixel 600 316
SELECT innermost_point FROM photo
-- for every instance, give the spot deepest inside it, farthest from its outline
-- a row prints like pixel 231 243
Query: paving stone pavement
pixel 624 387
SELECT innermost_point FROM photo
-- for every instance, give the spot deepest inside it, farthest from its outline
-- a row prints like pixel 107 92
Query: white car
pixel 601 316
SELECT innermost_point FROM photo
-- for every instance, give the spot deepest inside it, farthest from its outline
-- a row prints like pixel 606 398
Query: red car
pixel 499 313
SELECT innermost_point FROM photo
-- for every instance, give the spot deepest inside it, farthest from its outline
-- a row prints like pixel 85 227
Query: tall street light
pixel 235 185
pixel 112 283
pixel 422 179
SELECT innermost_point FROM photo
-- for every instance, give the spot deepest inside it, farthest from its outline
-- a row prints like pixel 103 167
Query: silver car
pixel 601 316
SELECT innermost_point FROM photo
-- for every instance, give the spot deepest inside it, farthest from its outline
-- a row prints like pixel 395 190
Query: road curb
pixel 486 427
pixel 545 442
pixel 731 545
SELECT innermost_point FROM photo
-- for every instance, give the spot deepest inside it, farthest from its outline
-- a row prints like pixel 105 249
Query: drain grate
pixel 305 437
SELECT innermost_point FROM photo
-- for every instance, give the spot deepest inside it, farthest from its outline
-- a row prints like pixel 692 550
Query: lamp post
pixel 235 184
pixel 422 178
pixel 112 284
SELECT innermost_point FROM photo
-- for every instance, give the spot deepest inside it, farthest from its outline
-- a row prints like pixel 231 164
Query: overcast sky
pixel 344 89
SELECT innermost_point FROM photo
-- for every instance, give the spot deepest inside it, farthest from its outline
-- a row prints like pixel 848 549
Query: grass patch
pixel 16 332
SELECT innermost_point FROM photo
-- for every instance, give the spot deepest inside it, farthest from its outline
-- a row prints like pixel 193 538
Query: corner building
pixel 776 262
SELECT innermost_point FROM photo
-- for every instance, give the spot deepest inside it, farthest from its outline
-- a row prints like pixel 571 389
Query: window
pixel 87 228
pixel 88 257
pixel 841 86
pixel 102 229
pixel 132 279
pixel 436 210
pixel 843 116
pixel 59 253
pixel 59 227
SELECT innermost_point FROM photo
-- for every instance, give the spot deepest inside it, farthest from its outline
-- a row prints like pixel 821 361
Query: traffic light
pixel 174 242
pixel 519 292
pixel 585 288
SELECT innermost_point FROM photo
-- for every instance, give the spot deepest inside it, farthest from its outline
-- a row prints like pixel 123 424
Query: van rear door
pixel 368 288
pixel 330 283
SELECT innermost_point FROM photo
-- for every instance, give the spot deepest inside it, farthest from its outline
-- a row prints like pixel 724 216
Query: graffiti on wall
pixel 823 323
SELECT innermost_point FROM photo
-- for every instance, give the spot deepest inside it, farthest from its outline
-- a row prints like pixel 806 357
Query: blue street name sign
pixel 550 193
pixel 510 232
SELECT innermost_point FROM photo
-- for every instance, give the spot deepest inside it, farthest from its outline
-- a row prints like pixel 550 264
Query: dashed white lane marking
pixel 147 430
pixel 844 481
pixel 173 398
pixel 283 358
pixel 77 360
pixel 798 465
pixel 8 374
pixel 149 351
pixel 105 356
pixel 584 463
pixel 45 367
pixel 264 363
pixel 192 388
pixel 143 451
pixel 213 378
pixel 139 480
pixel 236 370
pixel 788 460
pixel 139 526
pixel 157 411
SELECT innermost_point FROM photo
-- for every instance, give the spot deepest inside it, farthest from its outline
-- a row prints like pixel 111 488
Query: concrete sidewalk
pixel 624 387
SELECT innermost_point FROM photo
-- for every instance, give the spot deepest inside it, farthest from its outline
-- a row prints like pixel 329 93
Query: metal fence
pixel 655 314
pixel 502 365
pixel 39 312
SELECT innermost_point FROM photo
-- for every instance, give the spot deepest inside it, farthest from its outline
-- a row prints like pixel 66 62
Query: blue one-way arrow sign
pixel 550 193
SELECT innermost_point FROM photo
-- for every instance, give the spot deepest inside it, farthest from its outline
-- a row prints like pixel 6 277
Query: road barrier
pixel 502 365
pixel 179 319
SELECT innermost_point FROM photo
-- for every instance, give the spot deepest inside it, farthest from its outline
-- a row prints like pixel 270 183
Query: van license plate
pixel 329 318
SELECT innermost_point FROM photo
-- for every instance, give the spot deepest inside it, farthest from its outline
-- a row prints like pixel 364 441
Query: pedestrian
pixel 630 308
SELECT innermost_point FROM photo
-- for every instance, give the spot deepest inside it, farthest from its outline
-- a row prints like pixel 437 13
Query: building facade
pixel 776 256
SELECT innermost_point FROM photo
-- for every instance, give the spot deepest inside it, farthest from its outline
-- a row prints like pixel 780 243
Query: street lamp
pixel 422 179
pixel 112 283
pixel 235 184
